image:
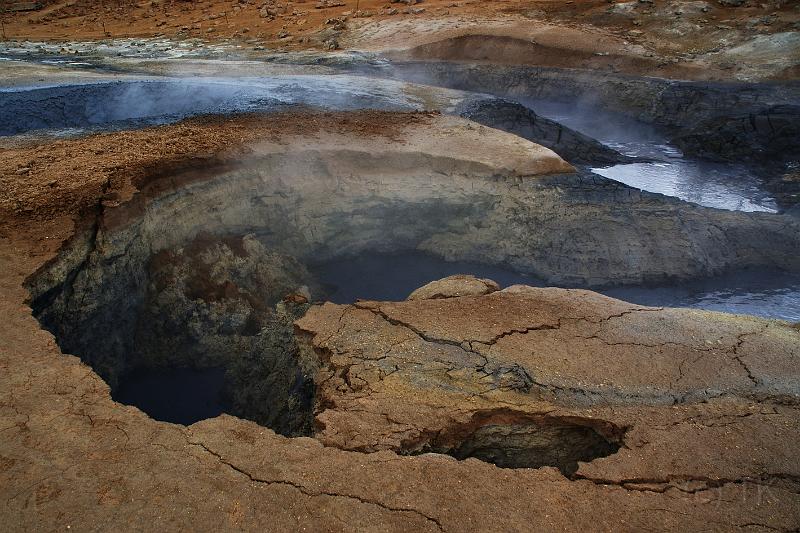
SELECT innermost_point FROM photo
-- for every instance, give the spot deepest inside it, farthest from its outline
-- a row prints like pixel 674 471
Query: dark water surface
pixel 177 395
pixel 393 277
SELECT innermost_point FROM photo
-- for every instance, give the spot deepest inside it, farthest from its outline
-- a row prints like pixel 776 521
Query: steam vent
pixel 399 266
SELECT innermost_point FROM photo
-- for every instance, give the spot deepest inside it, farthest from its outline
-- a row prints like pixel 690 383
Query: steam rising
pixel 158 101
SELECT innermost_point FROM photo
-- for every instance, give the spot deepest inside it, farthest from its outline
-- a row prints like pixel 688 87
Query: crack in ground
pixel 647 345
pixel 666 484
pixel 311 493
pixel 468 342
pixel 739 342
pixel 498 337
pixel 592 396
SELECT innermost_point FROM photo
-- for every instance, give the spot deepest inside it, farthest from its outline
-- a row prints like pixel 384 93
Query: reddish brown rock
pixel 72 457
pixel 676 403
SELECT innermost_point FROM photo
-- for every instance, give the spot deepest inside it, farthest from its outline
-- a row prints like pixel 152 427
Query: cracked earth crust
pixel 676 389
pixel 701 409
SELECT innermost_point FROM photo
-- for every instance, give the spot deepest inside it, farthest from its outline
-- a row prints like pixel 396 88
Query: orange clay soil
pixel 297 24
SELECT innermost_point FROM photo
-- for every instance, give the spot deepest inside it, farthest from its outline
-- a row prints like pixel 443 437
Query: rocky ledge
pixel 679 405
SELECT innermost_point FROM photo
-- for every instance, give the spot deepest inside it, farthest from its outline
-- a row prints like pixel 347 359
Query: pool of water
pixel 712 185
pixel 765 294
pixel 393 277
pixel 178 395
pixel 722 186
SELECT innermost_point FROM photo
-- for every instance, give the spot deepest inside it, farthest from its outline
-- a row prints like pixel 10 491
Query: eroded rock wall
pixel 515 118
pixel 211 302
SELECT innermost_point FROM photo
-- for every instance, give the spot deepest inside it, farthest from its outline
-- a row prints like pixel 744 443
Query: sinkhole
pixel 510 441
pixel 199 330
pixel 184 298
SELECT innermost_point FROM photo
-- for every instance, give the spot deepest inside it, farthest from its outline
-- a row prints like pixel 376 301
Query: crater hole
pixel 506 443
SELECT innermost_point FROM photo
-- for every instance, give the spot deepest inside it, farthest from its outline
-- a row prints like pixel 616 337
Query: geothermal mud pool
pixel 427 281
pixel 334 204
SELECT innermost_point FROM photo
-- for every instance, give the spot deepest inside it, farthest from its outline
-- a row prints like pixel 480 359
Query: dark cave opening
pixel 510 442
pixel 192 332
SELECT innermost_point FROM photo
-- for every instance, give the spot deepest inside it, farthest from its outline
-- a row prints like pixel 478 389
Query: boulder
pixel 453 287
